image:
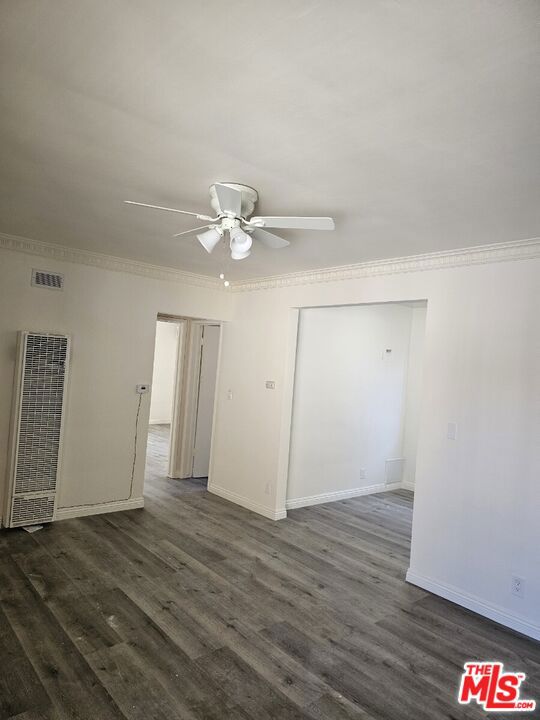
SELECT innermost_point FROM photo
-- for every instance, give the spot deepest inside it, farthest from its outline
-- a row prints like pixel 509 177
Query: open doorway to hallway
pixel 182 399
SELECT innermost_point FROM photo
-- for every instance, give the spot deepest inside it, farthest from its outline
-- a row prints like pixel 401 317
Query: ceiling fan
pixel 233 204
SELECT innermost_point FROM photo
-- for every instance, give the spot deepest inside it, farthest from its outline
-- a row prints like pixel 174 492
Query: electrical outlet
pixel 362 473
pixel 229 395
pixel 143 389
pixel 267 489
pixel 518 586
pixel 451 432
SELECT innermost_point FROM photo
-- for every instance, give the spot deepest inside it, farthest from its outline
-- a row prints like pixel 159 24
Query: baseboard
pixel 493 612
pixel 340 495
pixel 159 422
pixel 98 509
pixel 407 485
pixel 247 503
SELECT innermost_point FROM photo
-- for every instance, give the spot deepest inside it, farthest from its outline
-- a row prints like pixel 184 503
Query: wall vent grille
pixel 394 470
pixel 38 434
pixel 32 510
pixel 52 281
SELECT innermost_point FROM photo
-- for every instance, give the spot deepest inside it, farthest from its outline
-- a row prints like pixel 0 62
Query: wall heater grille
pixel 32 509
pixel 43 366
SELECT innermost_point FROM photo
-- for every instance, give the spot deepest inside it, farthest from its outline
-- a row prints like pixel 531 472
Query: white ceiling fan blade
pixel 182 212
pixel 296 223
pixel 229 199
pixel 193 230
pixel 269 239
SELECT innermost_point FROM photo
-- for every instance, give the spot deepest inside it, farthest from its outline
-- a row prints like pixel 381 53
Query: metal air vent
pixel 32 510
pixel 52 281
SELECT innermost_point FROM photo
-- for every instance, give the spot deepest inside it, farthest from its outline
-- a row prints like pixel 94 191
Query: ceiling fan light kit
pixel 210 238
pixel 233 204
pixel 240 243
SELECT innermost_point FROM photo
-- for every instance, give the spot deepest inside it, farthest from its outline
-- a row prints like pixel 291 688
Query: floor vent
pixel 52 281
pixel 43 361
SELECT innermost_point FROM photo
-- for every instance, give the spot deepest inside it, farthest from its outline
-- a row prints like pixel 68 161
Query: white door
pixel 205 404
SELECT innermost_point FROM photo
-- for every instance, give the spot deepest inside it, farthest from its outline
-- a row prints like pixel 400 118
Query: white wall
pixel 111 317
pixel 349 400
pixel 477 498
pixel 413 398
pixel 163 375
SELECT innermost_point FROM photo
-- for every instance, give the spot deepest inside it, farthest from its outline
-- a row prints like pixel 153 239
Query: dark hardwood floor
pixel 196 608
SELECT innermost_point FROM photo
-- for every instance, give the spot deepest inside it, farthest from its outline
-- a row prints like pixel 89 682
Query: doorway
pixel 182 398
pixel 356 402
pixel 167 342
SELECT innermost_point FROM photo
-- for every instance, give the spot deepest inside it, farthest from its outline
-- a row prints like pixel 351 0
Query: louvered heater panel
pixel 39 427
pixel 31 509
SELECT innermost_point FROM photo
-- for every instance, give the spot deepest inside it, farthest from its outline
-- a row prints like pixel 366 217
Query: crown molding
pixel 478 255
pixel 105 262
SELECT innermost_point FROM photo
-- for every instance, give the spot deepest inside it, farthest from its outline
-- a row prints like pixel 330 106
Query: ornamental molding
pixel 478 255
pixel 106 262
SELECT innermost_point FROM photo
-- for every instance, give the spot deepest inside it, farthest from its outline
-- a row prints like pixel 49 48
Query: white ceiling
pixel 414 123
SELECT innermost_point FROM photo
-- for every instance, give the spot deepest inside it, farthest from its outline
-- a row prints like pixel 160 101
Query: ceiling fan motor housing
pixel 249 198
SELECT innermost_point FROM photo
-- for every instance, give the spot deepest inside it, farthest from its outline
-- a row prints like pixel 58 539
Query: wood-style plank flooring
pixel 195 608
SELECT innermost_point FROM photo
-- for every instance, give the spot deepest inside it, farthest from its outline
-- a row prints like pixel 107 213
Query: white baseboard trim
pixel 83 510
pixel 493 612
pixel 340 495
pixel 159 422
pixel 407 485
pixel 247 503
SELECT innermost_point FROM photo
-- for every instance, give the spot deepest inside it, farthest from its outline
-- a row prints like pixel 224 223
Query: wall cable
pixel 135 447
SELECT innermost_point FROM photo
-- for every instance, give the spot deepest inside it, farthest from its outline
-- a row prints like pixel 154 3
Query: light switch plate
pixel 270 384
